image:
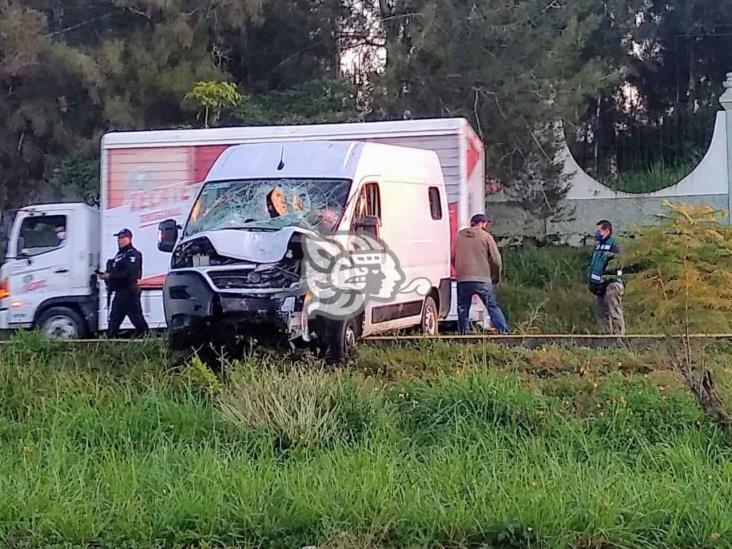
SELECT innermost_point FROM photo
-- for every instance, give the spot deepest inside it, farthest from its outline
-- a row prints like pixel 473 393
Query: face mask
pixel 62 236
pixel 598 236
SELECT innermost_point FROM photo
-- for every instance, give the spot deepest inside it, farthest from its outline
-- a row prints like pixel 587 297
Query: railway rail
pixel 521 340
pixel 544 340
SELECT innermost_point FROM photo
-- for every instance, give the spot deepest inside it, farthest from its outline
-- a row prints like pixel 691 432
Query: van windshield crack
pixel 269 205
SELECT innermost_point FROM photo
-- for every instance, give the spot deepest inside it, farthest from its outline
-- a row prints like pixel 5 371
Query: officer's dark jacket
pixel 125 269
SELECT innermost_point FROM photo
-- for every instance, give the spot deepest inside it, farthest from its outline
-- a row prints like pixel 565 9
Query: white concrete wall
pixel 589 200
pixel 708 178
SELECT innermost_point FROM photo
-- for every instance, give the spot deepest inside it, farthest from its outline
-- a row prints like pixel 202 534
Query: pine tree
pixel 513 69
pixel 70 71
pixel 686 284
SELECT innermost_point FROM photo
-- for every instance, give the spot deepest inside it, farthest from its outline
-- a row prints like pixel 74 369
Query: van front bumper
pixel 195 312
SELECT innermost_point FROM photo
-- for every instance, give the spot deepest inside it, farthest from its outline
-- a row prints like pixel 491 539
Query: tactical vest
pixel 597 280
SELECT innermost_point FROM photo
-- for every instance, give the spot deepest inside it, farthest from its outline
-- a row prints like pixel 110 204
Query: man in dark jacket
pixel 478 267
pixel 605 280
pixel 122 278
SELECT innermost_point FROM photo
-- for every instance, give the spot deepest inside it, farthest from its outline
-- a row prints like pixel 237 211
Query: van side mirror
pixel 167 235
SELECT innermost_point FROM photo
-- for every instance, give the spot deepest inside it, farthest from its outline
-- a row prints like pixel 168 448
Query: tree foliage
pixel 72 70
pixel 313 102
pixel 673 56
pixel 214 96
pixel 513 69
pixel 686 279
pixel 686 284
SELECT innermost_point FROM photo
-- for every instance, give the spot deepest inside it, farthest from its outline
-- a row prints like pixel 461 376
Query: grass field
pixel 431 446
pixel 543 290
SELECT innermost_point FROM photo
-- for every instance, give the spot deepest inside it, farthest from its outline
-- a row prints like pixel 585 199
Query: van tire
pixel 340 340
pixel 430 318
pixel 62 323
pixel 180 350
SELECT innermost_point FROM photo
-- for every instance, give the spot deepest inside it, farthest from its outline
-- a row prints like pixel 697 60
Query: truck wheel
pixel 61 323
pixel 340 340
pixel 430 317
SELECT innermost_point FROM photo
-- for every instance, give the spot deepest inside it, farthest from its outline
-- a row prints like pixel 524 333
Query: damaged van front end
pixel 236 271
pixel 232 283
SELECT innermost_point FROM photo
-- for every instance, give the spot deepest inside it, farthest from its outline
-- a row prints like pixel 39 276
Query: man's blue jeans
pixel 465 292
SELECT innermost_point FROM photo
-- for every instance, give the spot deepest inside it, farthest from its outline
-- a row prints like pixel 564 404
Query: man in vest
pixel 605 281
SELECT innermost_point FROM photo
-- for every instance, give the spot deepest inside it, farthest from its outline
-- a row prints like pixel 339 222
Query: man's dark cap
pixel 124 232
pixel 479 218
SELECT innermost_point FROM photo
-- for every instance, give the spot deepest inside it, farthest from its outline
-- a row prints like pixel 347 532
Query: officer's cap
pixel 124 232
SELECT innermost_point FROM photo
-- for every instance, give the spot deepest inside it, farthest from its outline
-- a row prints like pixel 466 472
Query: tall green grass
pixel 656 177
pixel 544 291
pixel 419 446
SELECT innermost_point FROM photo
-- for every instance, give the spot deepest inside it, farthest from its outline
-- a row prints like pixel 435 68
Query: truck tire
pixel 61 323
pixel 430 317
pixel 340 340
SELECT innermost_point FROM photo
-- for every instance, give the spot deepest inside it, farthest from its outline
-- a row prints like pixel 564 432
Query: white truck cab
pixel 47 280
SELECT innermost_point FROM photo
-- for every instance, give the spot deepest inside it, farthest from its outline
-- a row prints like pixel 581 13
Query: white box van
pixel 368 221
pixel 150 176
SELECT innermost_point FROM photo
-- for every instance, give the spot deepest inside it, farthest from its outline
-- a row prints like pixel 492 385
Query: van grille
pixel 249 279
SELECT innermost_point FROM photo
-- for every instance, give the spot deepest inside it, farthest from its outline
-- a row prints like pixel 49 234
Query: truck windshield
pixel 314 204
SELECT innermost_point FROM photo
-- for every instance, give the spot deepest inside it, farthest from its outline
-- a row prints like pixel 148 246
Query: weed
pixel 198 377
pixel 298 406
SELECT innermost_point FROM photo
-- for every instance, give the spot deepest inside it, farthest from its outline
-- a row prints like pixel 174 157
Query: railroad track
pixel 82 343
pixel 543 340
pixel 522 340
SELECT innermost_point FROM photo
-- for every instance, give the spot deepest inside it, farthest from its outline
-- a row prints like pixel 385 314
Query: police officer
pixel 124 271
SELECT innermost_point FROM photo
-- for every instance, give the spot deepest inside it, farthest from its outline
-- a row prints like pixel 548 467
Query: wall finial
pixel 726 98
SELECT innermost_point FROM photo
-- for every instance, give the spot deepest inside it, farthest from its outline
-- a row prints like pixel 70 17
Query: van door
pixel 40 260
pixel 366 221
pixel 417 233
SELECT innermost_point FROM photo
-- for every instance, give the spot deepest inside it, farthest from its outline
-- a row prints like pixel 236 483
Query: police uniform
pixel 124 272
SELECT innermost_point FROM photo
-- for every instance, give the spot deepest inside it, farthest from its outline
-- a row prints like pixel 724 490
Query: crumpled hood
pixel 254 246
pixel 471 232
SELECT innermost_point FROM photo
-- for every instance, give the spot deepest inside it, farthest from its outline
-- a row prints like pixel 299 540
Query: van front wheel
pixel 340 339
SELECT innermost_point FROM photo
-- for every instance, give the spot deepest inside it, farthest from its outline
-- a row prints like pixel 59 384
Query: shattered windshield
pixel 314 204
